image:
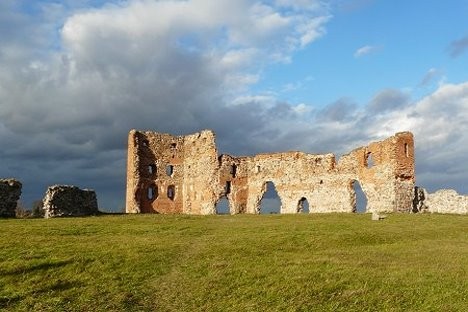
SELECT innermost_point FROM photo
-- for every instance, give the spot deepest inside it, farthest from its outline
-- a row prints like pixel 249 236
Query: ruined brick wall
pixel 10 192
pixel 155 172
pixel 69 201
pixel 384 169
pixel 445 201
pixel 233 181
pixel 298 176
pixel 201 181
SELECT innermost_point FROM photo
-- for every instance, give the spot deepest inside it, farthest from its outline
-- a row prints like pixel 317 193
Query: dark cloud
pixel 388 100
pixel 429 77
pixel 340 110
pixel 458 47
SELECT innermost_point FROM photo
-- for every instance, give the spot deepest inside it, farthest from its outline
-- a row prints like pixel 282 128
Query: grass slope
pixel 330 262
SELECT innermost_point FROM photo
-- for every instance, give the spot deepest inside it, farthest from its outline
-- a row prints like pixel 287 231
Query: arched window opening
pixel 303 206
pixel 171 192
pixel 152 169
pixel 222 206
pixel 369 160
pixel 270 202
pixel 169 170
pixel 152 192
pixel 360 199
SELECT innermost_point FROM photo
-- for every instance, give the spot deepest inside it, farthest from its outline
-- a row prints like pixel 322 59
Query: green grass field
pixel 329 262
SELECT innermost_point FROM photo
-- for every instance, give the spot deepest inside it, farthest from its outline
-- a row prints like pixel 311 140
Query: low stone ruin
pixel 442 201
pixel 10 192
pixel 69 201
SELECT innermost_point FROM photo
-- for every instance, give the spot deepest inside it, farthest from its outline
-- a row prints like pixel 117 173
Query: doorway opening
pixel 270 202
pixel 222 206
pixel 360 199
pixel 303 205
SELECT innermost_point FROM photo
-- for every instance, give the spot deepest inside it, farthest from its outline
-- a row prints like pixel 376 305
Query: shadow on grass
pixel 36 267
pixel 58 285
pixel 5 302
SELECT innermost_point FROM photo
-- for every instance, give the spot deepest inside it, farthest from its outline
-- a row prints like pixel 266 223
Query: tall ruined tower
pixel 170 174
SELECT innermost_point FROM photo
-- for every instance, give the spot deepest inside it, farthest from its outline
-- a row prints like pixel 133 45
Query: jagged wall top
pixel 183 174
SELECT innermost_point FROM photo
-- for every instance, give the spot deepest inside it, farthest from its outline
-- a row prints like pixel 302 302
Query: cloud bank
pixel 79 79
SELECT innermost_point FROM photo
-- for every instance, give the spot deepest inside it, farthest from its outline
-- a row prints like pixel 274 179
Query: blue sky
pixel 406 40
pixel 309 75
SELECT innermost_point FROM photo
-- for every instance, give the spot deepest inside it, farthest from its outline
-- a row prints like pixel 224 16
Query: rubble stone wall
pixel 200 178
pixel 445 201
pixel 10 192
pixel 69 201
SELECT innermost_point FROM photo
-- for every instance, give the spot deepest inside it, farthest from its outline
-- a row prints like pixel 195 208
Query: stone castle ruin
pixel 10 192
pixel 184 174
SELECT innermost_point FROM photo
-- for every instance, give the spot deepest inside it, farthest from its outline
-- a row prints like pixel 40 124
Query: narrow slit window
pixel 171 192
pixel 152 169
pixel 228 187
pixel 233 171
pixel 169 170
pixel 406 150
pixel 369 160
pixel 152 192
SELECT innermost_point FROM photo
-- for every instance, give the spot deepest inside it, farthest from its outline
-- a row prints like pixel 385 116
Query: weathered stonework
pixel 10 192
pixel 443 201
pixel 183 174
pixel 69 201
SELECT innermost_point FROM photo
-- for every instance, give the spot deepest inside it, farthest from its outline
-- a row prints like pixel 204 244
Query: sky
pixel 278 75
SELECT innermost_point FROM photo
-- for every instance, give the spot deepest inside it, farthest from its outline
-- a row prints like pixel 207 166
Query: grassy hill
pixel 330 262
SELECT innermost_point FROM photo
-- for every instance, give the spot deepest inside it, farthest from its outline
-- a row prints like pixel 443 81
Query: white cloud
pixel 365 50
pixel 439 123
pixel 300 4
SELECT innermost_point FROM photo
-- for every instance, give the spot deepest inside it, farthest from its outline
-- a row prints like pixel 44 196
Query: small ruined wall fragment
pixel 69 201
pixel 446 201
pixel 10 192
